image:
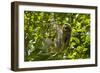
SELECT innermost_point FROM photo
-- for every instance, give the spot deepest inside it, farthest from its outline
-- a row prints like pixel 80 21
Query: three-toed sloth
pixel 63 37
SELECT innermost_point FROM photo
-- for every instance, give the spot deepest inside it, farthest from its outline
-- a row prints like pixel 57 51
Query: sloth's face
pixel 66 28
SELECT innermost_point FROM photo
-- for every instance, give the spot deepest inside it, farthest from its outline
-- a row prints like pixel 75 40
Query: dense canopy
pixel 42 31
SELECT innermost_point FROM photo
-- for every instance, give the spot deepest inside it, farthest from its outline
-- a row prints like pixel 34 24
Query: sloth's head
pixel 67 28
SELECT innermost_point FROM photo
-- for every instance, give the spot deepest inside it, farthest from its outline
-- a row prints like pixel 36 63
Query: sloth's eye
pixel 65 28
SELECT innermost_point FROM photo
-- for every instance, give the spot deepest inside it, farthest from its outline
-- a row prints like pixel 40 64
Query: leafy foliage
pixel 40 35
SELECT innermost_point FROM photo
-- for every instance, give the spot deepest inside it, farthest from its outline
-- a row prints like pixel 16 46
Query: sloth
pixel 63 37
pixel 66 35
